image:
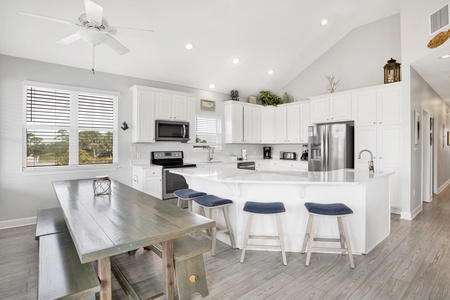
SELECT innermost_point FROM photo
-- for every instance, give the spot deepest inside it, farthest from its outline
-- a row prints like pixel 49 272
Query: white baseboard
pixel 442 187
pixel 17 223
pixel 411 215
pixel 396 210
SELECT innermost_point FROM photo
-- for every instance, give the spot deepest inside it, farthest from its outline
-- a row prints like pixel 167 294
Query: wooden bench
pixel 61 274
pixel 189 265
pixel 50 221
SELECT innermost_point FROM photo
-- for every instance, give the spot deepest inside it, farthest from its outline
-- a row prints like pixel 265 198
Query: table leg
pixel 104 274
pixel 167 260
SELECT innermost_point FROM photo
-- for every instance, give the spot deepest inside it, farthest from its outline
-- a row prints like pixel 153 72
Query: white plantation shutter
pixel 69 126
pixel 209 130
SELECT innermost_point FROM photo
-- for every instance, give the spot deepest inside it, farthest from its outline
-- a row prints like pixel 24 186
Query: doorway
pixel 427 156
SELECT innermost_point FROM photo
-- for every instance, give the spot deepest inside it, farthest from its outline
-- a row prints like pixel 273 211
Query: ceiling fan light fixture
pixel 324 22
pixel 189 46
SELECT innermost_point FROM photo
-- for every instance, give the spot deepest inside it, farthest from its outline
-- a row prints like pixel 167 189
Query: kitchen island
pixel 367 195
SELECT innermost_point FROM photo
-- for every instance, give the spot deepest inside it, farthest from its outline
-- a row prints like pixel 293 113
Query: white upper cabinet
pixel 267 124
pixel 242 122
pixel 150 104
pixel 280 134
pixel 336 108
pixel 143 129
pixel 305 121
pixel 171 107
pixel 379 105
pixel 293 123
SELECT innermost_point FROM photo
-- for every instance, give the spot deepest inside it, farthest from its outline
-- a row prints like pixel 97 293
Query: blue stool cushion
pixel 211 201
pixel 188 193
pixel 334 209
pixel 264 208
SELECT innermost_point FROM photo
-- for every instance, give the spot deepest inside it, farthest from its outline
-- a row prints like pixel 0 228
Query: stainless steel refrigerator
pixel 331 147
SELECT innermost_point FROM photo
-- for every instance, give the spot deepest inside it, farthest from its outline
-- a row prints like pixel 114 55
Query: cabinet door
pixel 389 146
pixel 179 108
pixel 365 138
pixel 248 124
pixel 389 106
pixel 256 126
pixel 293 123
pixel 153 186
pixel 267 124
pixel 341 108
pixel 280 125
pixel 163 107
pixel 305 121
pixel 366 108
pixel 143 118
pixel 320 110
pixel 234 123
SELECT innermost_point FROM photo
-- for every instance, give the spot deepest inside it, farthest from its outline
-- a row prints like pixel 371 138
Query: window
pixel 208 130
pixel 69 126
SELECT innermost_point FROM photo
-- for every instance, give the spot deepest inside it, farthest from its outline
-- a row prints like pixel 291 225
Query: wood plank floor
pixel 412 263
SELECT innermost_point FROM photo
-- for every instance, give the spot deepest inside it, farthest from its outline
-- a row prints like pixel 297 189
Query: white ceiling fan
pixel 92 28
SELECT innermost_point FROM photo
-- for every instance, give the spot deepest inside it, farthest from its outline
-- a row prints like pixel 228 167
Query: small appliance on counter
pixel 267 152
pixel 304 156
pixel 288 155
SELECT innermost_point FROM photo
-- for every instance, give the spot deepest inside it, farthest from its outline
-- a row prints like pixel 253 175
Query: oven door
pixel 172 182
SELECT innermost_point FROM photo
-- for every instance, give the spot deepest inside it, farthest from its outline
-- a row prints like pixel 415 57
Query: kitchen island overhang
pixel 367 195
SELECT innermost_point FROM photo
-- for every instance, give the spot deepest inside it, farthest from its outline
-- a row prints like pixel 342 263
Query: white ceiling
pixel 285 36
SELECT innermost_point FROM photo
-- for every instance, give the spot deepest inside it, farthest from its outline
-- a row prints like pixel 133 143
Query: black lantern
pixel 391 71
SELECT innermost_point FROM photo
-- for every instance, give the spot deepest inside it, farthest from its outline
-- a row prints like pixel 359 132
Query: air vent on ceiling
pixel 439 19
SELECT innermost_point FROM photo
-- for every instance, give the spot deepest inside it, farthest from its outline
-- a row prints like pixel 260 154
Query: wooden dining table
pixel 124 220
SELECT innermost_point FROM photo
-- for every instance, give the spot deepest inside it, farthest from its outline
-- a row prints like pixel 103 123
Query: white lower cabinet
pixel 385 144
pixel 288 166
pixel 148 180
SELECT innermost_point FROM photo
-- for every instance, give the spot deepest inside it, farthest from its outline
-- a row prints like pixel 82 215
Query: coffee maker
pixel 267 152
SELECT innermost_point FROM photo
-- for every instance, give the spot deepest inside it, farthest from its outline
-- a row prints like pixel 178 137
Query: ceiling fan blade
pixel 69 39
pixel 116 45
pixel 134 29
pixel 48 18
pixel 94 12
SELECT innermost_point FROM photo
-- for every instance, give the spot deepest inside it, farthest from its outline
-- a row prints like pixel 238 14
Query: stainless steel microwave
pixel 172 131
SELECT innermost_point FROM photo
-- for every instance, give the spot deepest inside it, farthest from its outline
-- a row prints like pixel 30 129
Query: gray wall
pixel 22 194
pixel 357 60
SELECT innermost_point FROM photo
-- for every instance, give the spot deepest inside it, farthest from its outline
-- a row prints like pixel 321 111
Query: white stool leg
pixel 247 233
pixel 281 236
pixel 311 238
pixel 227 221
pixel 341 235
pixel 347 241
pixel 179 202
pixel 307 234
pixel 213 216
pixel 190 205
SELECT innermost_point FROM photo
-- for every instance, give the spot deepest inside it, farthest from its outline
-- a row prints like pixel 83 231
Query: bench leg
pixel 168 267
pixel 191 277
pixel 104 274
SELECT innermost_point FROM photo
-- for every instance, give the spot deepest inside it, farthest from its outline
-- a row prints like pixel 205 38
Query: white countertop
pixel 345 176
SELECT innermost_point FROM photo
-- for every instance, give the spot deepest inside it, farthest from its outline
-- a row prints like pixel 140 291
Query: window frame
pixel 203 147
pixel 73 130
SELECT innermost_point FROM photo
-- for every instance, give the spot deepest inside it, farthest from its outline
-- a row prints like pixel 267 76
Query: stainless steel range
pixel 170 160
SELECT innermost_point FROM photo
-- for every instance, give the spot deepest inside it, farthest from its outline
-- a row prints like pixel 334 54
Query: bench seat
pixel 61 274
pixel 50 221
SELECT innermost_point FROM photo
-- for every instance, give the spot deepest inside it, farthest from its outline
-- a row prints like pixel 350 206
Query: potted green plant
pixel 269 98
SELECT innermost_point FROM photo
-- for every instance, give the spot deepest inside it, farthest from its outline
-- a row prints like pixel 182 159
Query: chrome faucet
pixel 371 168
pixel 210 153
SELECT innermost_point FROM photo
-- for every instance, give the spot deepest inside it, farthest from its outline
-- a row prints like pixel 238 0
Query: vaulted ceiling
pixel 285 36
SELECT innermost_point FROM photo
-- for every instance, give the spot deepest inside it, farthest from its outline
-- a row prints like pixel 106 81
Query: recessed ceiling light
pixel 236 60
pixel 189 46
pixel 212 85
pixel 445 56
pixel 270 72
pixel 324 22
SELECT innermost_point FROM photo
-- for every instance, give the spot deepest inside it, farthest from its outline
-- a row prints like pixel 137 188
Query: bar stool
pixel 269 208
pixel 214 203
pixel 338 210
pixel 187 195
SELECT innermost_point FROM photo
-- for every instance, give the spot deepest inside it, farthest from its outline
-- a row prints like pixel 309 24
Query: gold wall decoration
pixel 439 39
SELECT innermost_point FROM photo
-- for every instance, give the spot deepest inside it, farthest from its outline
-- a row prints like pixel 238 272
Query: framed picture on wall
pixel 207 105
pixel 417 126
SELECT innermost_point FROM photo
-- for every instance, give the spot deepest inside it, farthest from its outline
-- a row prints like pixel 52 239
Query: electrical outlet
pixel 138 155
pixel 133 155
